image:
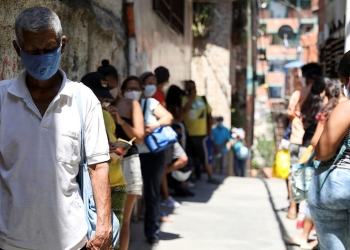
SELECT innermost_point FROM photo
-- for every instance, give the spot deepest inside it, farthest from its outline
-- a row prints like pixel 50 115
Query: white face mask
pixel 114 92
pixel 346 92
pixel 303 81
pixel 133 95
pixel 150 90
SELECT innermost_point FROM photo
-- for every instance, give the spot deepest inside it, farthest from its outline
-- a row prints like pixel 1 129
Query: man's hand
pixel 100 241
pixel 192 94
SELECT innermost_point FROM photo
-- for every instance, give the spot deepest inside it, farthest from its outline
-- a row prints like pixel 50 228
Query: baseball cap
pixel 98 84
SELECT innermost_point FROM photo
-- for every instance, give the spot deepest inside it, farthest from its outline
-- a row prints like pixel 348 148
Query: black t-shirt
pixel 121 134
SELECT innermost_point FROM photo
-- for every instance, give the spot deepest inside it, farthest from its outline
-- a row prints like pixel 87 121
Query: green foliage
pixel 201 19
pixel 265 148
pixel 256 165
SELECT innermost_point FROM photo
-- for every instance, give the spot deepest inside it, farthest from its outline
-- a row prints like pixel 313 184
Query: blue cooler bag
pixel 161 138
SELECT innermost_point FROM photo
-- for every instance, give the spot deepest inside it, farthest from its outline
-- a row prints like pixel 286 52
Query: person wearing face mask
pixel 111 74
pixel 128 118
pixel 219 138
pixel 40 146
pixel 152 164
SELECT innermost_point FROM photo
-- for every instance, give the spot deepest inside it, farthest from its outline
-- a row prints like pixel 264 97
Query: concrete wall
pixel 94 29
pixel 157 44
pixel 211 66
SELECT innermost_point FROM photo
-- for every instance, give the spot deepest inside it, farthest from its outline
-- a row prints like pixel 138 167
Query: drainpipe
pixel 130 22
pixel 347 27
pixel 250 83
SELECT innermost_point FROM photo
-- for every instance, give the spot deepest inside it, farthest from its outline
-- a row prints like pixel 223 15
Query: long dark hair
pixel 313 103
pixel 333 91
pixel 174 95
pixel 344 66
pixel 173 100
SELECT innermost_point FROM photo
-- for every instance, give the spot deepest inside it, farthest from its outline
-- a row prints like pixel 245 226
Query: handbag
pixel 86 191
pixel 302 175
pixel 281 166
pixel 161 137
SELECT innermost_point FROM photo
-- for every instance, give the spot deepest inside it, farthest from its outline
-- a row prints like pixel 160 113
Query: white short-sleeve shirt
pixel 149 118
pixel 39 159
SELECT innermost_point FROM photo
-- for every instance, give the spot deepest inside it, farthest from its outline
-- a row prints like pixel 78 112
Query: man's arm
pixel 102 194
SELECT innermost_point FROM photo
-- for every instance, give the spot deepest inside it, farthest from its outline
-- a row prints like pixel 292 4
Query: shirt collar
pixel 20 89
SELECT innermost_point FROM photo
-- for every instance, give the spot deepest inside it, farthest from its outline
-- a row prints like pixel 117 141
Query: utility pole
pixel 299 48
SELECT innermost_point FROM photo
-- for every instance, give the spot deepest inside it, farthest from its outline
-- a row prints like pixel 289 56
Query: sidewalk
pixel 242 214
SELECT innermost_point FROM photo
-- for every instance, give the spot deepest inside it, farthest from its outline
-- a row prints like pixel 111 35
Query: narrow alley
pixel 242 214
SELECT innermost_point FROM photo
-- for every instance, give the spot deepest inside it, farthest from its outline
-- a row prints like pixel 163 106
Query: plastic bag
pixel 281 166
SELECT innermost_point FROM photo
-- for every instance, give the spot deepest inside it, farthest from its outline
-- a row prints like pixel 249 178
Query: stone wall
pixel 94 29
pixel 157 44
pixel 211 62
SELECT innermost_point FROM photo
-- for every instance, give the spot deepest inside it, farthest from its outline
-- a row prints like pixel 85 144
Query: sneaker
pixel 214 181
pixel 170 202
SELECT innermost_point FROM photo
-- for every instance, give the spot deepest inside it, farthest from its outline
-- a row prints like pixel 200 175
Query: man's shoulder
pixel 5 84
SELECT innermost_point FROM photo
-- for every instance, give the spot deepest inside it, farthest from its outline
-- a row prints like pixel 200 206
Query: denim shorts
pixel 330 208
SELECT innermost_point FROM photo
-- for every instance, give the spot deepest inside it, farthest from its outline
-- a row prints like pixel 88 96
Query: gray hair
pixel 37 19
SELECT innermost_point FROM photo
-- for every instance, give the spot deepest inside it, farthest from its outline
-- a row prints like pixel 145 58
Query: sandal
pixel 294 241
pixel 291 216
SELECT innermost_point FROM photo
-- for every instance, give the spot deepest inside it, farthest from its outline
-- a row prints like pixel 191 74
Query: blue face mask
pixel 42 67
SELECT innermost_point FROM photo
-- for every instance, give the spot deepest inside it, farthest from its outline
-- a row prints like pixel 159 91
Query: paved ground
pixel 240 214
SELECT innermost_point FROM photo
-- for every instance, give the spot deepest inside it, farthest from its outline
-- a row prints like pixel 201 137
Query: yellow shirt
pixel 116 177
pixel 195 119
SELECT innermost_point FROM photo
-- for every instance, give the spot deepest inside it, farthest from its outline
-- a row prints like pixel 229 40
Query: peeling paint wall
pixel 212 59
pixel 94 29
pixel 158 44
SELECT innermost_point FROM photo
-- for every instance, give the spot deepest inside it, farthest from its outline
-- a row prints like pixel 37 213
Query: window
pixel 172 12
pixel 304 4
pixel 275 92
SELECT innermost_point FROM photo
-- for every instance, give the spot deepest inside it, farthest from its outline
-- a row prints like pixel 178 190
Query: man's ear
pixel 64 42
pixel 17 48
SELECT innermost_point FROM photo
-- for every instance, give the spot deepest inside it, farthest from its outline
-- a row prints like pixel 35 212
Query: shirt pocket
pixel 68 148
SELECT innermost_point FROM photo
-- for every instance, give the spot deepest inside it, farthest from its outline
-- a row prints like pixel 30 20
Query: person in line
pixel 238 144
pixel 198 122
pixel 334 95
pixel 173 102
pixel 163 76
pixel 99 86
pixel 128 118
pixel 41 206
pixel 301 136
pixel 111 74
pixel 220 137
pixel 330 205
pixel 152 164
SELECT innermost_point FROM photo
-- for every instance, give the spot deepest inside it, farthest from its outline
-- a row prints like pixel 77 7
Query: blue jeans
pixel 239 167
pixel 330 209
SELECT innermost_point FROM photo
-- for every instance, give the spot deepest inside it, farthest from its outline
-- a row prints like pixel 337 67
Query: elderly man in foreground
pixel 40 147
